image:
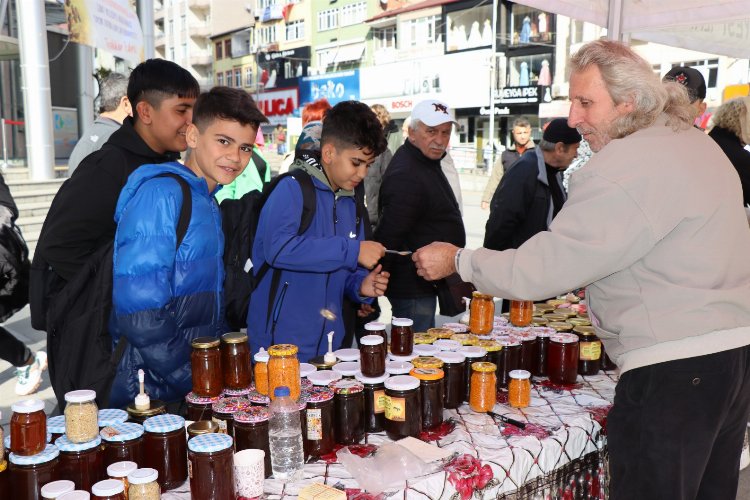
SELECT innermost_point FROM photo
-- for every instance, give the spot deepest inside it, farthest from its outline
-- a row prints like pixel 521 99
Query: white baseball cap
pixel 432 113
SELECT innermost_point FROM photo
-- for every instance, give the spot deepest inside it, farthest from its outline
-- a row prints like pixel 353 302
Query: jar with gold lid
pixel 539 321
pixel 555 317
pixel 557 302
pixel 589 350
pixel 427 362
pixel 139 416
pixel 481 313
pixel 283 369
pixel 235 360
pixel 560 326
pixel 431 394
pixel 205 363
pixel 542 308
pixel 202 427
pixel 421 338
pixel 576 321
pixel 482 395
pixel 443 332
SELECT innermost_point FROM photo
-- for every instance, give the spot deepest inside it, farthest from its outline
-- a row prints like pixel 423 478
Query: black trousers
pixel 676 429
pixel 13 350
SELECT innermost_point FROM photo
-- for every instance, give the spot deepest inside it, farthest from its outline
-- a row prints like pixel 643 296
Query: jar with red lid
pixel 403 410
pixel 539 366
pixel 28 473
pixel 28 427
pixel 431 395
pixel 198 407
pixel 205 363
pixel 235 361
pixel 318 438
pixel 211 458
pixel 122 443
pixel 108 489
pixel 589 351
pixel 372 355
pixel 402 336
pixel 374 390
pixel 82 463
pixel 521 312
pixel 223 411
pixel 562 358
pixel 510 358
pixel 348 411
pixel 474 354
pixel 482 313
pixel 377 328
pixel 165 449
pixel 454 381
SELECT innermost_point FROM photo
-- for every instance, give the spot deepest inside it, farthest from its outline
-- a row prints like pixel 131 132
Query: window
pixel 709 68
pixel 170 27
pixel 238 77
pixel 219 53
pixel 385 38
pixel 228 48
pixel 171 54
pixel 469 28
pixel 219 78
pixel 266 35
pixel 295 30
pixel 248 76
pixel 262 4
pixel 530 26
pixel 230 82
pixel 420 32
pixel 184 54
pixel 328 19
pixel 354 13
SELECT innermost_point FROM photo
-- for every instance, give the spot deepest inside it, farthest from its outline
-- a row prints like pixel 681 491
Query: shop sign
pixel 485 111
pixel 336 87
pixel 280 102
pixel 520 95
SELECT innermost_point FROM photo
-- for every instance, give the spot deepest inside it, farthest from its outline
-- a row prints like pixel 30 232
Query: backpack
pixel 239 221
pixel 78 339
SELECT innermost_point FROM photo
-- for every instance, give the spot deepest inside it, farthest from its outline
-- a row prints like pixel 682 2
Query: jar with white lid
pixel 402 336
pixel 28 427
pixel 109 489
pixel 144 485
pixel 347 369
pixel 119 471
pixel 75 495
pixel 57 488
pixel 81 416
pixel 323 377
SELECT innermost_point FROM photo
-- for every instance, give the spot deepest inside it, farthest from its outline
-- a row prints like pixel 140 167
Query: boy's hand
pixel 375 283
pixel 370 252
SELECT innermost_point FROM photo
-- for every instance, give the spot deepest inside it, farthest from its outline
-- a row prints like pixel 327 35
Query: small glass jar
pixel 205 363
pixel 529 349
pixel 211 467
pixel 77 495
pixel 251 432
pixel 283 369
pixel 235 360
pixel 483 387
pixel 403 410
pixel 447 344
pixel 494 351
pixel 119 472
pixel 454 381
pixel 347 369
pixel 109 416
pixel 425 349
pixel 198 407
pixel 81 416
pixel 560 326
pixel 519 389
pixel 55 427
pixel 402 336
pixel 474 354
pixel 589 351
pixel 377 328
pixel 122 442
pixel 482 313
pixel 372 355
pixel 165 449
pixel 28 473
pixel 562 358
pixel 374 391
pixel 348 411
pixel 521 312
pixel 28 428
pixel 510 359
pixel 424 338
pixel 202 427
pixel 427 362
pixel 138 416
pixel 398 367
pixel 260 371
pixel 223 413
pixel 144 484
pixel 539 366
pixel 108 489
pixel 318 440
pixel 57 488
pixel 322 378
pixel 431 395
pixel 82 463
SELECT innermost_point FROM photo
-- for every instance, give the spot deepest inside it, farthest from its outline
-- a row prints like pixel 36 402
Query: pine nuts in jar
pixel 143 485
pixel 81 416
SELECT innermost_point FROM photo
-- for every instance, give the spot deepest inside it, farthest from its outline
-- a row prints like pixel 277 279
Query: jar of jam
pixel 539 366
pixel 454 327
pixel 223 411
pixel 122 442
pixel 510 359
pixel 424 338
pixel 529 349
pixel 56 489
pixel 119 472
pixel 398 367
pixel 474 354
pixel 427 362
pixel 55 427
pixel 494 351
pixel 77 495
pixel 372 355
pixel 348 411
pixel 347 369
pixel 165 449
pixel 198 407
pixel 562 358
pixel 28 427
pixel 447 344
pixel 402 336
pixel 560 326
pixel 465 338
pixel 109 416
pixel 374 390
pixel 483 387
pixel 589 350
pixel 251 432
pixel 377 328
pixel 322 378
pixel 108 489
pixel 144 484
pixel 205 363
pixel 521 312
pixel 283 369
pixel 235 360
pixel 261 371
pixel 318 439
pixel 28 473
pixel 138 416
pixel 211 467
pixel 82 463
pixel 403 408
pixel 482 313
pixel 425 349
pixel 202 427
pixel 347 354
pixel 431 395
pixel 519 389
pixel 454 381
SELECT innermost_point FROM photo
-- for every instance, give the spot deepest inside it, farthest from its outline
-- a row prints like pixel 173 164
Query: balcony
pixel 160 41
pixel 201 59
pixel 159 14
pixel 200 30
pixel 199 4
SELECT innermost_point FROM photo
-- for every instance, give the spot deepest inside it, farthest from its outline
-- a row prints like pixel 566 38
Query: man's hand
pixel 435 261
pixel 365 310
pixel 485 205
pixel 375 283
pixel 370 252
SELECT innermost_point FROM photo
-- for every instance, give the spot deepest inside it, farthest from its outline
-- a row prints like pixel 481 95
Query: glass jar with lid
pixel 235 361
pixel 403 410
pixel 431 395
pixel 55 427
pixel 482 313
pixel 424 338
pixel 529 348
pixel 402 336
pixel 211 458
pixel 283 369
pixel 377 328
pixel 521 312
pixel 374 391
pixel 28 427
pixel 372 355
pixel 165 449
pixel 427 362
pixel 510 358
pixel 454 382
pixel 348 411
pixel 447 344
pixel 108 489
pixel 539 366
pixel 454 327
pixel 81 416
pixel 205 363
pixel 138 415
pixel 425 349
pixel 119 472
pixel 443 332
pixel 562 358
pixel 198 407
pixel 483 387
pixel 122 442
pixel 251 432
pixel 519 389
pixel 589 350
pixel 347 369
pixel 560 326
pixel 474 354
pixel 494 351
pixel 318 438
pixel 398 367
pixel 57 488
pixel 261 371
pixel 223 413
pixel 82 463
pixel 144 484
pixel 202 427
pixel 465 338
pixel 28 473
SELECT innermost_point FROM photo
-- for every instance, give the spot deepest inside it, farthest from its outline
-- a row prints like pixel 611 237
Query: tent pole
pixel 614 20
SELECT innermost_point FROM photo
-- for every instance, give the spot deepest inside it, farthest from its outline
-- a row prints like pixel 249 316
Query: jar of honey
pixel 319 438
pixel 283 369
pixel 235 361
pixel 82 463
pixel 251 432
pixel 122 442
pixel 261 371
pixel 454 381
pixel 28 428
pixel 589 351
pixel 202 427
pixel 374 391
pixel 348 411
pixel 138 415
pixel 519 389
pixel 108 489
pixel 372 355
pixel 431 395
pixel 402 336
pixel 539 366
pixel 109 416
pixel 377 328
pixel 28 473
pixel 562 358
pixel 482 313
pixel 205 363
pixel 521 312
pixel 165 449
pixel 211 459
pixel 403 410
pixel 483 387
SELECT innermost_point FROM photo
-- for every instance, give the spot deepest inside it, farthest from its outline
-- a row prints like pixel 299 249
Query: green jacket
pixel 247 181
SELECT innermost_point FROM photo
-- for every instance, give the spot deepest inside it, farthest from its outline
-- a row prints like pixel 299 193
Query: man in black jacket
pixel 531 193
pixel 417 206
pixel 81 217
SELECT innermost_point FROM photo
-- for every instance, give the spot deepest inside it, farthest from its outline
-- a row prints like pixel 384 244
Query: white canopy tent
pixel 719 26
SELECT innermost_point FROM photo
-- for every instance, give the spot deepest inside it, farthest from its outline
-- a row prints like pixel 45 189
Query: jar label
pixel 314 424
pixel 590 351
pixel 221 423
pixel 379 401
pixel 190 469
pixel 395 409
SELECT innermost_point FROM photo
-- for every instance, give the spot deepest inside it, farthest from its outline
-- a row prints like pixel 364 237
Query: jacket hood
pixel 127 138
pixel 309 163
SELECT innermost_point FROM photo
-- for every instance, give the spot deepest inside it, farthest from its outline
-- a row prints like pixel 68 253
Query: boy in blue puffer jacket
pixel 330 258
pixel 164 295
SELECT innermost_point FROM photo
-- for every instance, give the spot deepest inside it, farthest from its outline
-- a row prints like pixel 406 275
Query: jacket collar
pixel 417 154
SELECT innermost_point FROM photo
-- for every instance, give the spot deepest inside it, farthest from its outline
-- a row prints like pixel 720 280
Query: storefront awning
pixel 349 53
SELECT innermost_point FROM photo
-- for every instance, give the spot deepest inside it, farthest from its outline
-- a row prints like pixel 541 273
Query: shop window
pixel 524 71
pixel 530 26
pixel 469 28
pixel 420 32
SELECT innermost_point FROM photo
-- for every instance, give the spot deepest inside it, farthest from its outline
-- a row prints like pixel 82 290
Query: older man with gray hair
pixel 114 106
pixel 661 244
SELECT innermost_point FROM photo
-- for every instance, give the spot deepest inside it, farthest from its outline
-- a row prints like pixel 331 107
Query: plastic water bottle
pixel 285 436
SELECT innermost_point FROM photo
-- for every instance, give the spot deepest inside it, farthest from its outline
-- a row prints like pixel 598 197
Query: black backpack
pixel 78 339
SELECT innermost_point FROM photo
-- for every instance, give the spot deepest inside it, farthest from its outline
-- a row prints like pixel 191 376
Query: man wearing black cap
pixel 531 193
pixel 693 81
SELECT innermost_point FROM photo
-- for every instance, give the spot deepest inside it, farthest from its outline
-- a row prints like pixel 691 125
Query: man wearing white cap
pixel 418 206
